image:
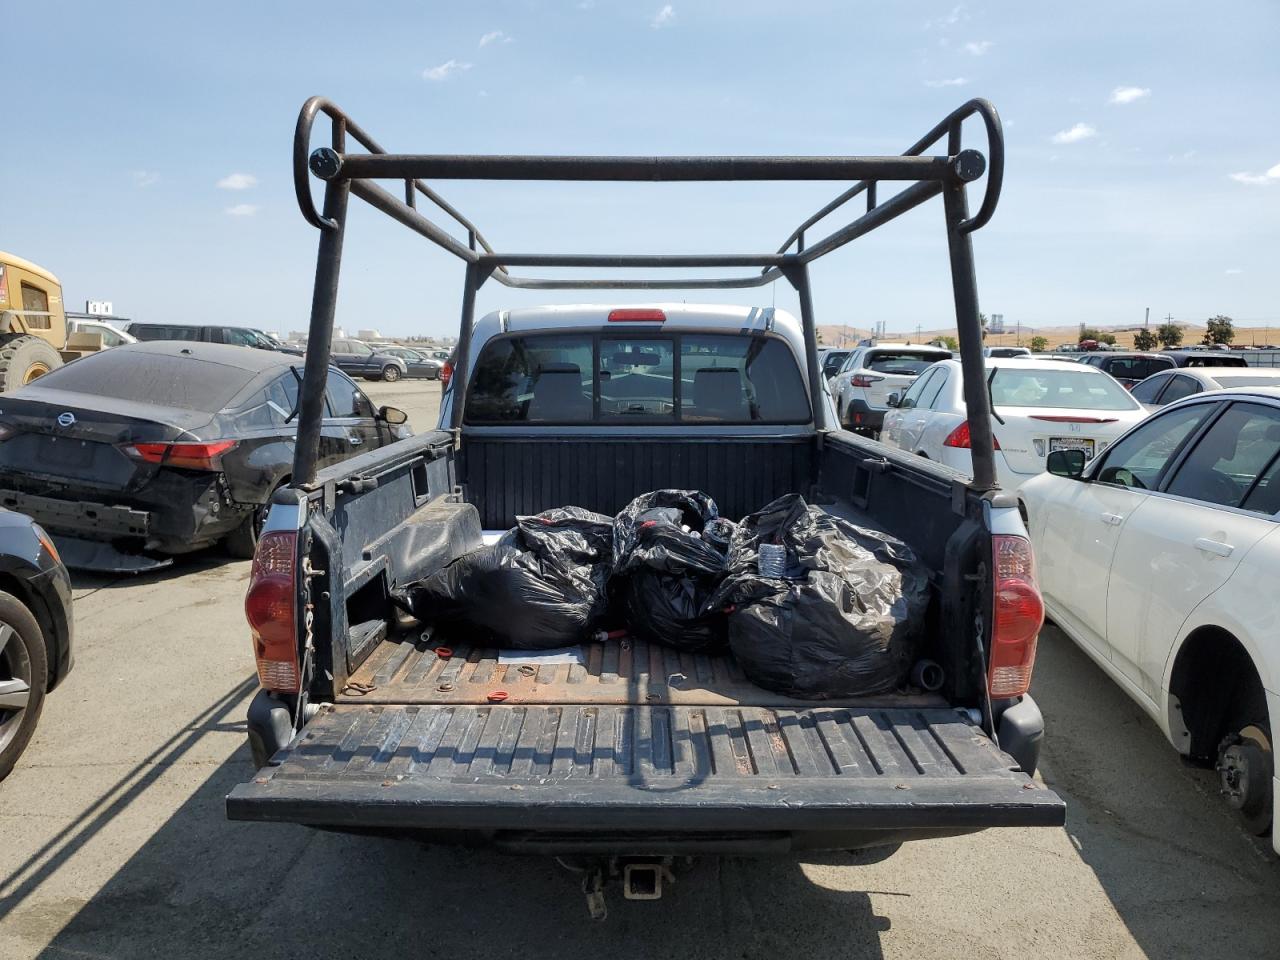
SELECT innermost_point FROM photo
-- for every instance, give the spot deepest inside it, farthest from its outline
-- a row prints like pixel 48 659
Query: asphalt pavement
pixel 113 840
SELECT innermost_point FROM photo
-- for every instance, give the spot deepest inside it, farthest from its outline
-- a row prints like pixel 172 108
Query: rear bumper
pixel 184 517
pixel 860 415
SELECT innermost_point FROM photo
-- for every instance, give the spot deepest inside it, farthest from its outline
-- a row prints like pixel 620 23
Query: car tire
pixel 390 373
pixel 24 658
pixel 1246 765
pixel 242 542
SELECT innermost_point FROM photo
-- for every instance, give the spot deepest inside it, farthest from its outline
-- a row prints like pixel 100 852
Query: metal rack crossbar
pixel 345 173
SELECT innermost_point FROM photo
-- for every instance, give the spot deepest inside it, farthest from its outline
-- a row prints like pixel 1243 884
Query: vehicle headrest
pixel 717 392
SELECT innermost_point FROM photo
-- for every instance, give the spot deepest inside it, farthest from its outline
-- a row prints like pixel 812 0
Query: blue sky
pixel 148 147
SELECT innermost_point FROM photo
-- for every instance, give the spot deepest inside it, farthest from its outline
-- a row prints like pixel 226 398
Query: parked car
pixel 861 389
pixel 830 360
pixel 1006 351
pixel 417 365
pixel 1164 388
pixel 1160 560
pixel 237 336
pixel 1128 368
pixel 36 628
pixel 1038 406
pixel 1203 358
pixel 148 450
pixel 357 359
pixel 111 336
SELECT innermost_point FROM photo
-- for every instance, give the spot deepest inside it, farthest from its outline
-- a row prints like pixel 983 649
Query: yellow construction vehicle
pixel 33 324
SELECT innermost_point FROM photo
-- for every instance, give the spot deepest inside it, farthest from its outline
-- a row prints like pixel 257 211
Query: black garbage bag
pixel 541 586
pixel 667 560
pixel 838 611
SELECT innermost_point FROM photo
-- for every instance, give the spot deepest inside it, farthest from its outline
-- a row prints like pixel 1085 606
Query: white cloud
pixel 1081 131
pixel 1233 271
pixel 495 36
pixel 1123 95
pixel 445 70
pixel 1258 179
pixel 242 210
pixel 237 181
pixel 958 13
pixel 978 47
pixel 953 82
pixel 145 178
pixel 664 17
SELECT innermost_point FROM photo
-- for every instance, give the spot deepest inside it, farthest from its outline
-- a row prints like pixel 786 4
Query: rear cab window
pixel 685 377
pixel 1072 389
pixel 907 363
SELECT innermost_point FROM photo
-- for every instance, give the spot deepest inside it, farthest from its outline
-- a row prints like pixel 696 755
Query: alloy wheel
pixel 15 683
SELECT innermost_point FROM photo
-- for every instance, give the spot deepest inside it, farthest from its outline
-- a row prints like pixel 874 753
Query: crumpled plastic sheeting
pixel 542 585
pixel 844 619
pixel 664 574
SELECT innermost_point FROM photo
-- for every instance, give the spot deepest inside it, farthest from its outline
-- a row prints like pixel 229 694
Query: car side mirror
pixel 1066 463
pixel 395 416
pixel 895 400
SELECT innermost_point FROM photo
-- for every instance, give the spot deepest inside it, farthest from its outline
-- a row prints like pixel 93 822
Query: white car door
pixel 1187 538
pixel 1085 520
pixel 912 411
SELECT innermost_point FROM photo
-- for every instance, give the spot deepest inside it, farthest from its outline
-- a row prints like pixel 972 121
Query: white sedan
pixel 1161 559
pixel 1038 406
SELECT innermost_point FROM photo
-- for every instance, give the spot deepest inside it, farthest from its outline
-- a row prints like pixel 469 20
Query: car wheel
pixel 391 373
pixel 1246 768
pixel 24 673
pixel 242 542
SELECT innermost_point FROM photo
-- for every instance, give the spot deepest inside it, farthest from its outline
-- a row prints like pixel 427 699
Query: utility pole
pixel 1146 323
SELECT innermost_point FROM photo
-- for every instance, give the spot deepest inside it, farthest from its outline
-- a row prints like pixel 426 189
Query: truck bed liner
pixel 409 671
pixel 637 768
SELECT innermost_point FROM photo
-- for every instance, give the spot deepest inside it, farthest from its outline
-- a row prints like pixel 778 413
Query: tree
pixel 1220 330
pixel 1169 335
pixel 1039 344
pixel 951 343
pixel 1144 340
pixel 1089 333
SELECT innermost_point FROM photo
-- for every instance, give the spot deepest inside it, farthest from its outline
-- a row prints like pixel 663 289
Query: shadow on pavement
pixel 202 886
pixel 1167 851
pixel 211 559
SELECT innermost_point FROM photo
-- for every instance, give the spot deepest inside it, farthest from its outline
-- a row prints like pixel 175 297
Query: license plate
pixel 1072 443
pixel 61 452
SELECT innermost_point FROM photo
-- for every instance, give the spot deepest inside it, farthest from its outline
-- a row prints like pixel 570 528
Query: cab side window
pixel 345 400
pixel 1229 458
pixel 937 380
pixel 1178 388
pixel 912 397
pixel 1148 389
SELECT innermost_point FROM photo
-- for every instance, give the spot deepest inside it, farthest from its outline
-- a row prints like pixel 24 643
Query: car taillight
pixel 270 606
pixel 1019 614
pixel 861 380
pixel 446 372
pixel 188 456
pixel 637 315
pixel 959 437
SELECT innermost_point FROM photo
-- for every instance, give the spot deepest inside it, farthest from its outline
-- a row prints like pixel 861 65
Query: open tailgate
pixel 518 767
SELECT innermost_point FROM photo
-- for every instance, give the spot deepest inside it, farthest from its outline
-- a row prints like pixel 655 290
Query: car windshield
pixel 164 381
pixel 1065 388
pixel 908 363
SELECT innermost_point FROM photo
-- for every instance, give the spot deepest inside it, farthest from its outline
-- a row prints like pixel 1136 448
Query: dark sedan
pixel 35 630
pixel 419 366
pixel 357 358
pixel 152 449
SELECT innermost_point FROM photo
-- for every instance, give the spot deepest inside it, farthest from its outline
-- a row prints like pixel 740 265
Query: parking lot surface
pixel 113 841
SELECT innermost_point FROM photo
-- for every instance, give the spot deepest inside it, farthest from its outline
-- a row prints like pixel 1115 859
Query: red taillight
pixel 861 380
pixel 637 315
pixel 189 456
pixel 446 372
pixel 270 606
pixel 959 437
pixel 1019 614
